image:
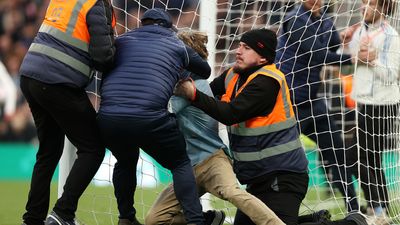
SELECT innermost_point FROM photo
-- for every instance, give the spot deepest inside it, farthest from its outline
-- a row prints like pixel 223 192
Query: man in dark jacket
pixel 133 112
pixel 73 41
pixel 308 41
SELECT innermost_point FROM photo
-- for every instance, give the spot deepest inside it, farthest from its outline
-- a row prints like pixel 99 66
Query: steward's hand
pixel 186 89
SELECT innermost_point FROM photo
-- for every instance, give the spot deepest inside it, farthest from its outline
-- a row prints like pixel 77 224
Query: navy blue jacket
pixel 305 44
pixel 149 62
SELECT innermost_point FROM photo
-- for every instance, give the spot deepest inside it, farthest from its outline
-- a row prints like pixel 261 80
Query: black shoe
pixel 363 209
pixel 128 222
pixel 322 215
pixel 54 219
pixel 214 217
pixel 358 218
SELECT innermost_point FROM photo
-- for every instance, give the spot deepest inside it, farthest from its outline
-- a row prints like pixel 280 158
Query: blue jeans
pixel 161 139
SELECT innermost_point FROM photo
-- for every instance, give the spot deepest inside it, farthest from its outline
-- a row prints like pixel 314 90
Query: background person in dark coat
pixel 308 40
pixel 133 113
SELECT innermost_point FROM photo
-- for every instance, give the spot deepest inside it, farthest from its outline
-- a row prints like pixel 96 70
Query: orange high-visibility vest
pixel 269 143
pixel 282 111
pixel 347 85
pixel 65 20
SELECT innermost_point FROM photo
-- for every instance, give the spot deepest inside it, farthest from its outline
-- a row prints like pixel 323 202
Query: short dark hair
pixel 152 22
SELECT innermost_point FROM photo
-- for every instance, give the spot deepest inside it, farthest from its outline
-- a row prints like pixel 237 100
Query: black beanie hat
pixel 262 41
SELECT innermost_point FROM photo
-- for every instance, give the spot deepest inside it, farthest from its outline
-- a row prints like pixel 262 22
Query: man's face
pixel 314 6
pixel 371 10
pixel 246 58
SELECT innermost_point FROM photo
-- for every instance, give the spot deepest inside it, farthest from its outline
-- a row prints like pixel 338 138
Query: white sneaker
pixel 373 219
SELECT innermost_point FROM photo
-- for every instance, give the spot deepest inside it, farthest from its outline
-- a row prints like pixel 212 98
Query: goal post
pixel 66 161
pixel 225 21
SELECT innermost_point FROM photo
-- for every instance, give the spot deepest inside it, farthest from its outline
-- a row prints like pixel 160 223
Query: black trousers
pixel 282 193
pixel 162 140
pixel 375 125
pixel 58 111
pixel 315 122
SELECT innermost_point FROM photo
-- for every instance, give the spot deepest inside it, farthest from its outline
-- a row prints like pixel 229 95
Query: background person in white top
pixel 376 91
pixel 8 94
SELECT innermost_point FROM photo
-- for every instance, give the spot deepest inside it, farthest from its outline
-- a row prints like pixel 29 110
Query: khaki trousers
pixel 214 175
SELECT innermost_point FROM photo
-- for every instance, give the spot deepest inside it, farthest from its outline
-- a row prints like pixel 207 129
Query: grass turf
pixel 98 206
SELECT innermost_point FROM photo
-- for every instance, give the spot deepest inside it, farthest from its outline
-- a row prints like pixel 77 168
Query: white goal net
pixel 371 138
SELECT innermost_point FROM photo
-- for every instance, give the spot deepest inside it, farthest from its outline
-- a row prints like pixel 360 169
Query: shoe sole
pixel 219 218
pixel 326 216
pixel 55 218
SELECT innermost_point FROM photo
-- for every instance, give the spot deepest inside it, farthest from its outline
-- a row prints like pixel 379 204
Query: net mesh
pixel 233 18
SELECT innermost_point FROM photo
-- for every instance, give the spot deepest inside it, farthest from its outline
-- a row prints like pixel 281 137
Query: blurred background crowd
pixel 19 22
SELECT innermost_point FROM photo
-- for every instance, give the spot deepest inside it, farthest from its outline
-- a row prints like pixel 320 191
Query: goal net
pixel 224 22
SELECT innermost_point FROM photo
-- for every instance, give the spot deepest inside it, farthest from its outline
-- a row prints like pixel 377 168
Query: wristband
pixel 194 91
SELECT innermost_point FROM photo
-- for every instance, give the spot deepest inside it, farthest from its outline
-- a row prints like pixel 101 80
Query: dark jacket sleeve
pixel 218 85
pixel 197 64
pixel 309 42
pixel 258 98
pixel 101 46
pixel 335 42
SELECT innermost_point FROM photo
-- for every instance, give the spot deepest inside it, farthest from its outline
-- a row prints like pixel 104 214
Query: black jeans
pixel 375 125
pixel 163 141
pixel 282 192
pixel 315 122
pixel 58 111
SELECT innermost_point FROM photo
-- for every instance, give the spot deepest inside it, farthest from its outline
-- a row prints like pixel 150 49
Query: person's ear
pixel 263 60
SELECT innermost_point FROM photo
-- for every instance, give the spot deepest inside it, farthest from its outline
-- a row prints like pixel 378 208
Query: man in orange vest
pixel 256 107
pixel 75 39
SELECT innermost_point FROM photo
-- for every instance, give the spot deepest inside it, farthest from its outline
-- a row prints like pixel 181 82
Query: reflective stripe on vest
pixel 255 131
pixel 66 21
pixel 267 152
pixel 67 38
pixel 61 56
pixel 229 77
pixel 283 87
pixel 57 25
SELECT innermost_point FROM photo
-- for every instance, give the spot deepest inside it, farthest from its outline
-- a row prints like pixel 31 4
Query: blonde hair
pixel 196 40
